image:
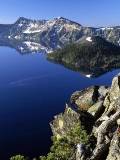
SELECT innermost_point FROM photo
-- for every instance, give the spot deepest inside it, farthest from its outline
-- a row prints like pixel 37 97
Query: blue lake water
pixel 32 91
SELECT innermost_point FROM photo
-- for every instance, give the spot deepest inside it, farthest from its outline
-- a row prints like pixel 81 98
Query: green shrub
pixel 64 148
pixel 18 157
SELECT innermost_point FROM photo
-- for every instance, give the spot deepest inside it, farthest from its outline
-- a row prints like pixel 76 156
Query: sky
pixel 85 12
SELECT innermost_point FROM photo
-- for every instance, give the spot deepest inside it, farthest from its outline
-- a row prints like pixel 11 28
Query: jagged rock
pixel 103 91
pixel 118 122
pixel 113 107
pixel 114 92
pixel 87 98
pixel 102 134
pixel 106 101
pixel 114 149
pixel 115 88
pixel 106 125
pixel 103 104
pixel 80 153
pixel 64 122
pixel 96 109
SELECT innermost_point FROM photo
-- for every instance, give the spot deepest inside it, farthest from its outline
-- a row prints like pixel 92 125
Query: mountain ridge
pixel 54 33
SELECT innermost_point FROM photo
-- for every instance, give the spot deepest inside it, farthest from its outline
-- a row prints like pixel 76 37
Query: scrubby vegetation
pixel 64 147
pixel 102 142
pixel 18 157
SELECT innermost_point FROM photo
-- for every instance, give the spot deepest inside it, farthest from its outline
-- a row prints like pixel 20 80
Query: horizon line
pixel 37 19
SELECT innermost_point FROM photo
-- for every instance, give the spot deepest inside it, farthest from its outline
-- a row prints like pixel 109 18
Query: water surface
pixel 32 91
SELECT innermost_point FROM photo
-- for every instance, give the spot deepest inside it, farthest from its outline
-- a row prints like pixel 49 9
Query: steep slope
pixel 50 34
pixel 55 33
pixel 89 128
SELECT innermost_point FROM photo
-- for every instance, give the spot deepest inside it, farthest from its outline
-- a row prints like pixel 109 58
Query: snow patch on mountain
pixel 20 25
pixel 34 47
pixel 89 39
pixel 9 37
pixel 28 31
pixel 17 37
pixel 32 28
pixel 56 33
pixel 57 23
pixel 106 28
pixel 88 75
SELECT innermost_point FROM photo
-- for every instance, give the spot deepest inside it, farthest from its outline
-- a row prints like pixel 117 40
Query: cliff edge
pixel 89 128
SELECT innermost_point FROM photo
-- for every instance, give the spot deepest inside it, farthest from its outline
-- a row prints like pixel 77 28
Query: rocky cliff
pixel 89 128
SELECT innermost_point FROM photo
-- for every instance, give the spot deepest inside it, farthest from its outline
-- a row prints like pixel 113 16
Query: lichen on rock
pixel 64 122
pixel 87 98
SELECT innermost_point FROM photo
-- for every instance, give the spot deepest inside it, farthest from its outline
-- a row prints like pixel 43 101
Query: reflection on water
pixel 32 91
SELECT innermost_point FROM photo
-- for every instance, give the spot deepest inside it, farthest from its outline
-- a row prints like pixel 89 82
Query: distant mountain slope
pixel 55 33
pixel 92 55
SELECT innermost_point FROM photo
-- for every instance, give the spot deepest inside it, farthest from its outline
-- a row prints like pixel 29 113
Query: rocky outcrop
pixel 103 105
pixel 114 149
pixel 90 99
pixel 64 122
pixel 86 98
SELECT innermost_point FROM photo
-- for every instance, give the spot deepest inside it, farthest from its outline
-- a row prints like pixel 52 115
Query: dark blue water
pixel 32 91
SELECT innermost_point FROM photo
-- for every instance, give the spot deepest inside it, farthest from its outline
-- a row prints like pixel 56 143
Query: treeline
pixel 90 56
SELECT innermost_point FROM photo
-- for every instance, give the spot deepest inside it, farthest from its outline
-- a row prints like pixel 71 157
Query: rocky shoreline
pixel 89 128
pixel 97 108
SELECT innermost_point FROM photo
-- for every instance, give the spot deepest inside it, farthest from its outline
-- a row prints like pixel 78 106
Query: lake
pixel 32 91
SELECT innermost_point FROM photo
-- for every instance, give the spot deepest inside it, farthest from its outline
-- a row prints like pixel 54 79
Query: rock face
pixel 103 104
pixel 114 149
pixel 115 89
pixel 53 34
pixel 86 98
pixel 64 122
pixel 90 99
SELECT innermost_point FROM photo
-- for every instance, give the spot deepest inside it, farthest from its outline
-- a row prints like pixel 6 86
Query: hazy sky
pixel 86 12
